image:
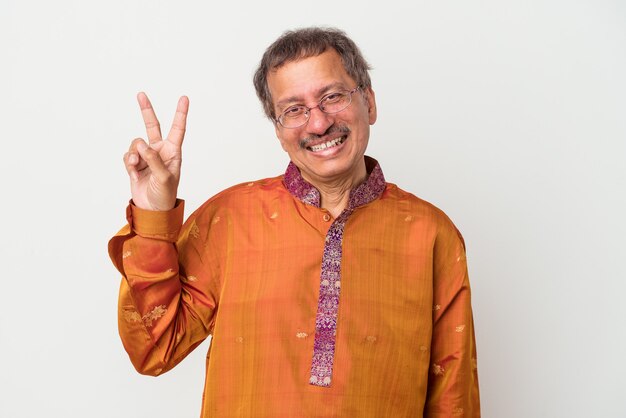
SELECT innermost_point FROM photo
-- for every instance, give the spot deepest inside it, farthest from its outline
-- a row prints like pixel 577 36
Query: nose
pixel 319 122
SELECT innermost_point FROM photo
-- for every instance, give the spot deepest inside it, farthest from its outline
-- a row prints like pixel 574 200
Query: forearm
pixel 453 378
pixel 160 319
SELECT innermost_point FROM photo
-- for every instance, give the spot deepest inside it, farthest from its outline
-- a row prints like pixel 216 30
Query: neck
pixel 335 194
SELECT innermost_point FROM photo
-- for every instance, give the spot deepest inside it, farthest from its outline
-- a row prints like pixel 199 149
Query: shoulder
pixel 242 197
pixel 259 189
pixel 394 195
pixel 421 211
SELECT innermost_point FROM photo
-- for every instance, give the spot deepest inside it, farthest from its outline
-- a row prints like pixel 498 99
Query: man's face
pixel 345 134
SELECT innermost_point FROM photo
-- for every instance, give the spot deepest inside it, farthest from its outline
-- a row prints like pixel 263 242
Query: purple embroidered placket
pixel 330 278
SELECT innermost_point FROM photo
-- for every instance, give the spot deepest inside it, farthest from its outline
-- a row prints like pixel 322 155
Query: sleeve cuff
pixel 161 225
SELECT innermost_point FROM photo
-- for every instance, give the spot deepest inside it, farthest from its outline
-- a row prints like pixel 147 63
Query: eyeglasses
pixel 298 115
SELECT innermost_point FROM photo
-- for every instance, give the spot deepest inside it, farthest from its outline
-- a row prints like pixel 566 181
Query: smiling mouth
pixel 329 144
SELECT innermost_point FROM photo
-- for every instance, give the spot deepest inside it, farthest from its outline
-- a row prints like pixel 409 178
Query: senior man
pixel 328 292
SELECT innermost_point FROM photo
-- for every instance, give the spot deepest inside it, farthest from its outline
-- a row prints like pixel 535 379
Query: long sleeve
pixel 453 379
pixel 168 293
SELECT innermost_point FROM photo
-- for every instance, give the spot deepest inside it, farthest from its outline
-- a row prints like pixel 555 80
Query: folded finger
pixel 130 162
pixel 154 162
pixel 134 143
pixel 133 158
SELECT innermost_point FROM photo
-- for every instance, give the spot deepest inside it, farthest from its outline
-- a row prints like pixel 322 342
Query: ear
pixel 370 97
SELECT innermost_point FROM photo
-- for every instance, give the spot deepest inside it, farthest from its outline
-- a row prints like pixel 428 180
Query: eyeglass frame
pixel 307 112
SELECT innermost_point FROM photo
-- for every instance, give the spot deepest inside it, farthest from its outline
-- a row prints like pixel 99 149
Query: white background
pixel 508 115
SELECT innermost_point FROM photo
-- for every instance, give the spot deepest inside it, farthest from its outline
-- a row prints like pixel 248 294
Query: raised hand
pixel 154 167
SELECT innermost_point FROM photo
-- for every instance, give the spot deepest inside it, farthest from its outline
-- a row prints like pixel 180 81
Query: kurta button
pixel 326 217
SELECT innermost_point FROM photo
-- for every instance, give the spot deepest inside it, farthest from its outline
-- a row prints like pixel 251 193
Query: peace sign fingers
pixel 153 128
pixel 177 131
pixel 154 167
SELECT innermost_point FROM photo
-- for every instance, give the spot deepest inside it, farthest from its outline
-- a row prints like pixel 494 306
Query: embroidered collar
pixel 364 193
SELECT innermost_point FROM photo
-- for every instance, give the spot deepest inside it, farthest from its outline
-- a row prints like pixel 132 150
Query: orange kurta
pixel 245 268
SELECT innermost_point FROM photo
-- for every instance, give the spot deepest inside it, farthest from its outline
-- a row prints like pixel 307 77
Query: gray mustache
pixel 304 142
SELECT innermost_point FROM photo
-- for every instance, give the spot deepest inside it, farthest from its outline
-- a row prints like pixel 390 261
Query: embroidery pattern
pixel 437 370
pixel 131 316
pixel 299 187
pixel 330 278
pixel 194 231
pixel 153 315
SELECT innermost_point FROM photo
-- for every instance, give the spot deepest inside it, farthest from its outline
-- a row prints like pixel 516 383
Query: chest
pixel 273 269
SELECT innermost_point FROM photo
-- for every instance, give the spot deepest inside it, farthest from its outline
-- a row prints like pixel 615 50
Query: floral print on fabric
pixel 300 188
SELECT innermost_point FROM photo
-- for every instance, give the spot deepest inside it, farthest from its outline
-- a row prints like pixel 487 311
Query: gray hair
pixel 303 43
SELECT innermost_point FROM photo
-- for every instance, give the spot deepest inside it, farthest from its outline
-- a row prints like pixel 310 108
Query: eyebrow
pixel 319 93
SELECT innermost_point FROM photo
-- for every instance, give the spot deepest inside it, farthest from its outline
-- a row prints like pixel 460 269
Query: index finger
pixel 179 125
pixel 153 128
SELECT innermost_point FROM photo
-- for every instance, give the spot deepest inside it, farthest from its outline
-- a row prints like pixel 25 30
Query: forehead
pixel 306 78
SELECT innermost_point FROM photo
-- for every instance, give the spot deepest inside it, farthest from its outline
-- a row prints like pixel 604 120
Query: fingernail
pixel 141 146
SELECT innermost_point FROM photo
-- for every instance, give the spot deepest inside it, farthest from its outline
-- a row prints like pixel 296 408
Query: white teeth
pixel 328 144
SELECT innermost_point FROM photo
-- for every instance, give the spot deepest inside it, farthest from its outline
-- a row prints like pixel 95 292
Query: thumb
pixel 154 161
